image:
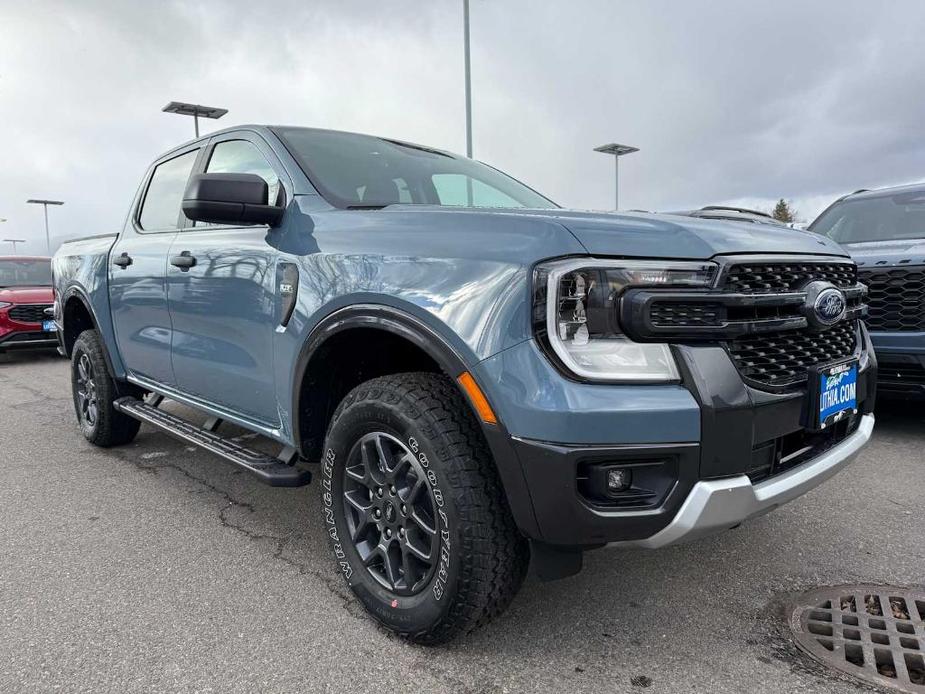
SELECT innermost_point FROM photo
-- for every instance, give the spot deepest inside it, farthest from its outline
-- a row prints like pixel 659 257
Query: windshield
pixel 882 218
pixel 356 171
pixel 25 273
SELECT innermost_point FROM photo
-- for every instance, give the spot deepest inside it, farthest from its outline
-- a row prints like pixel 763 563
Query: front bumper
pixel 748 448
pixel 901 356
pixel 28 339
pixel 15 334
pixel 716 505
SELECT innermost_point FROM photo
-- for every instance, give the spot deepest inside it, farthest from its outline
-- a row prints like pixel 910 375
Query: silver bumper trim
pixel 716 505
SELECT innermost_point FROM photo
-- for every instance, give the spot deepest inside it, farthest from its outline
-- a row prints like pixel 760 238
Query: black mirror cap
pixel 229 198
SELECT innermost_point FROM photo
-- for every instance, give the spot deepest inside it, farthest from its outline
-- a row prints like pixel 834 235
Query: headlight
pixel 575 315
pixel 4 304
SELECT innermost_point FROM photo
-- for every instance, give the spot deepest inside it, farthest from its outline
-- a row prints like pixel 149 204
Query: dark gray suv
pixel 884 230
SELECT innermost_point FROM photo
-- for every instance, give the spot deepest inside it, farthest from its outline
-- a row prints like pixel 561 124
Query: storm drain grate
pixel 875 633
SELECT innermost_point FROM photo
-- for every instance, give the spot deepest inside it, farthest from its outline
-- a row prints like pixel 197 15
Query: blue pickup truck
pixel 477 378
pixel 884 230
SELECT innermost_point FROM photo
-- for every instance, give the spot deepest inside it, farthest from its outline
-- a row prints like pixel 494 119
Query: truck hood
pixel 906 251
pixel 643 235
pixel 26 295
pixel 660 235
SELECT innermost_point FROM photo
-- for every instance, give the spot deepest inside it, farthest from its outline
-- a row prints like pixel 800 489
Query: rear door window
pixel 160 210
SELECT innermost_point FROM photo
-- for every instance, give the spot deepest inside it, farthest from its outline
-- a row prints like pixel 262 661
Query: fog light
pixel 619 479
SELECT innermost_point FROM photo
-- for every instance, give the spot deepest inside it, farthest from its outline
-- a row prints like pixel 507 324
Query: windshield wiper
pixel 367 207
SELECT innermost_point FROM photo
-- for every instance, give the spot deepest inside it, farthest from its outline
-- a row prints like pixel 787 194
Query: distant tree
pixel 783 212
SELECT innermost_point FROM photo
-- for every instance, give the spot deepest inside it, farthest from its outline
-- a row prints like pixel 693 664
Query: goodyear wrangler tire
pixel 414 510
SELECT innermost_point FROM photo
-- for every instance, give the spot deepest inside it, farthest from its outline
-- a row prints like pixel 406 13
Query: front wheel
pixel 414 509
pixel 94 393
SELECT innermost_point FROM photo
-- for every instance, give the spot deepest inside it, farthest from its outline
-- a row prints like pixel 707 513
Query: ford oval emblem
pixel 830 306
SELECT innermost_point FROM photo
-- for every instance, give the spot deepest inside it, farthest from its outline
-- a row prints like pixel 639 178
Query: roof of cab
pixel 268 130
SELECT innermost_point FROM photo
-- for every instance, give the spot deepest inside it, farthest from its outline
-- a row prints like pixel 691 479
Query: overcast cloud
pixel 729 101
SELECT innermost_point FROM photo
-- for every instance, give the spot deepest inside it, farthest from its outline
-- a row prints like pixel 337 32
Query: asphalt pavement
pixel 156 567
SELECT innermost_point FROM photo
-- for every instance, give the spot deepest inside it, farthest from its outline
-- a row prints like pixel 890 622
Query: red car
pixel 25 294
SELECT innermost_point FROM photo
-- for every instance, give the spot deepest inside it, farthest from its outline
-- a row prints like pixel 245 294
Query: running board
pixel 267 468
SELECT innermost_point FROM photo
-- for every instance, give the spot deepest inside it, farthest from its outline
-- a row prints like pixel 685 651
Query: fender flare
pixel 403 324
pixel 78 293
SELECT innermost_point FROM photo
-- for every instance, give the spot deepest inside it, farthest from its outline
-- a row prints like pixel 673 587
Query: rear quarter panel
pixel 81 270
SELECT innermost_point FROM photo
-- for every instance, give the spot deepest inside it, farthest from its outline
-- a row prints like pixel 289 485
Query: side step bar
pixel 267 468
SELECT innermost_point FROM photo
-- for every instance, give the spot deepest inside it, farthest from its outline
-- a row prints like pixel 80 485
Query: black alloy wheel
pixel 390 513
pixel 87 405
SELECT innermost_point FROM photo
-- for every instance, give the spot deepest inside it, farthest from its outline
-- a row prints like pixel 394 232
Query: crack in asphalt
pixel 332 583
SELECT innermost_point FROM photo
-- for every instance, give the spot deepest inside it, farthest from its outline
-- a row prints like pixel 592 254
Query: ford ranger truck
pixel 475 377
pixel 884 230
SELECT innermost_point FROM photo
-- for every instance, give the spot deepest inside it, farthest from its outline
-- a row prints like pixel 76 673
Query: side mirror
pixel 229 198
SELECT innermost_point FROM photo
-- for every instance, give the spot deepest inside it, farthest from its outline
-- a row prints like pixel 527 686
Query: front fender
pixel 439 346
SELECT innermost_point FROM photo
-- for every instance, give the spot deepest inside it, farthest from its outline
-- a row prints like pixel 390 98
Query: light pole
pixel 468 79
pixel 14 242
pixel 45 204
pixel 194 110
pixel 617 151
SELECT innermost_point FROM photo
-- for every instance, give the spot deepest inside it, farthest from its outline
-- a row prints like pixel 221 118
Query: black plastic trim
pixel 636 306
pixel 7 341
pixel 565 519
pixel 735 418
pixel 69 294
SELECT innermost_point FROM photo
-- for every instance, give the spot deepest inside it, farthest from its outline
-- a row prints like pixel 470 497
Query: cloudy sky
pixel 729 101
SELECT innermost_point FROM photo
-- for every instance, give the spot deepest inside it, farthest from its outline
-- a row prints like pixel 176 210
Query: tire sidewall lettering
pixel 327 500
pixel 438 592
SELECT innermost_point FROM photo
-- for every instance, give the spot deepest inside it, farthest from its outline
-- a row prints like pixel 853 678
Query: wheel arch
pixel 77 315
pixel 442 356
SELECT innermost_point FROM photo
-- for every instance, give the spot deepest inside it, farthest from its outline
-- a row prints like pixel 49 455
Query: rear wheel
pixel 414 509
pixel 94 393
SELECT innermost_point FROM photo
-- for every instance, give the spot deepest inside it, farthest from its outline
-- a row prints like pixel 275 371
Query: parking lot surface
pixel 155 567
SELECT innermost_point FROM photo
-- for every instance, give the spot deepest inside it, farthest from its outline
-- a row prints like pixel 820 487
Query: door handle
pixel 123 261
pixel 184 261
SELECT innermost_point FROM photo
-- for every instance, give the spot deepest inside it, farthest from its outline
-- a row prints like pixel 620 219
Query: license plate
pixel 837 389
pixel 49 326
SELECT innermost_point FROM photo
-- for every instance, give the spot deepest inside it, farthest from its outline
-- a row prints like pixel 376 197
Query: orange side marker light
pixel 479 401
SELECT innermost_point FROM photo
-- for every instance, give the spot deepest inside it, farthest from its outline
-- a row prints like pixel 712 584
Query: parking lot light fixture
pixel 617 151
pixel 45 204
pixel 14 242
pixel 194 110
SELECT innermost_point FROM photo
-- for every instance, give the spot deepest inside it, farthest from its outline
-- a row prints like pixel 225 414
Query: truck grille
pixel 758 313
pixel 680 314
pixel 29 313
pixel 896 298
pixel 787 277
pixel 783 359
